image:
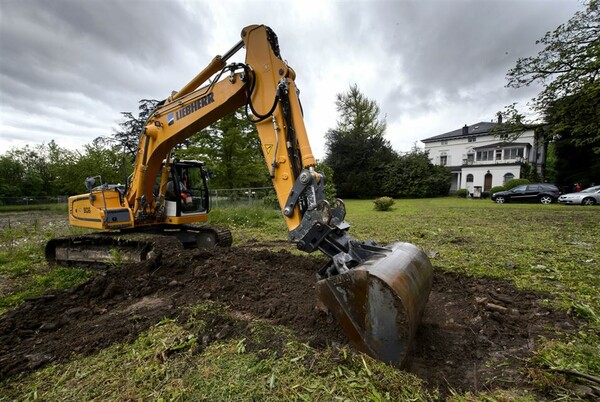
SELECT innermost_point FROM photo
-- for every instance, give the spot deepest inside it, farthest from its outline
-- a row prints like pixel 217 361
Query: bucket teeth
pixel 379 303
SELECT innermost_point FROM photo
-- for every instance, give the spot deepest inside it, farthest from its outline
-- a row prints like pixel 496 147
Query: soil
pixel 467 321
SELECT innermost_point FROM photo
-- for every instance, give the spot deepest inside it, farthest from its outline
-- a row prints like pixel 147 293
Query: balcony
pixel 471 162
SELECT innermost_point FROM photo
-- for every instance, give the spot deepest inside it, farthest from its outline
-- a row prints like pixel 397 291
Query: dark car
pixel 535 192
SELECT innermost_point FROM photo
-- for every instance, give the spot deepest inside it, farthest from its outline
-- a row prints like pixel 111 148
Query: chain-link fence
pixel 60 199
pixel 240 196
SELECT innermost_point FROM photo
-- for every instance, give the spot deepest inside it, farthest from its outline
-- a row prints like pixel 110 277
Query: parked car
pixel 589 196
pixel 534 192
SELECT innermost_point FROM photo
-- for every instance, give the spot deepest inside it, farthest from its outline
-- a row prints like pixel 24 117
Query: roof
pixel 476 129
pixel 503 144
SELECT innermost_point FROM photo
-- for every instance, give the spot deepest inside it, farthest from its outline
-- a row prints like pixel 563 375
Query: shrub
pixel 514 183
pixel 462 193
pixel 271 201
pixel 496 189
pixel 383 203
pixel 485 194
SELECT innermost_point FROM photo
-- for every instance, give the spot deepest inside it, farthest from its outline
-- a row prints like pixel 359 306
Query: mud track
pixel 467 322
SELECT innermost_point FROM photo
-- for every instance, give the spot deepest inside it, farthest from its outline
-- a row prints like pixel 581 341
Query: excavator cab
pixel 186 191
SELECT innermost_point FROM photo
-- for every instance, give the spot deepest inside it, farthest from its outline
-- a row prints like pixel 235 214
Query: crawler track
pixel 109 249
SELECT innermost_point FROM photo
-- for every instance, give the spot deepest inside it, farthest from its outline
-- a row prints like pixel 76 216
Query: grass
pixel 24 272
pixel 61 207
pixel 550 248
pixel 168 363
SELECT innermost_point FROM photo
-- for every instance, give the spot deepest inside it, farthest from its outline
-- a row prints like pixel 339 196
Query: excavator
pixel 377 293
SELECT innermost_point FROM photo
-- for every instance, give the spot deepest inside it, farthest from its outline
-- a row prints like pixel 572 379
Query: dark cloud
pixel 70 54
pixel 69 67
pixel 459 50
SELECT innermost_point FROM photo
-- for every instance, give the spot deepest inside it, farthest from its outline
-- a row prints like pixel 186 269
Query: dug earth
pixel 469 323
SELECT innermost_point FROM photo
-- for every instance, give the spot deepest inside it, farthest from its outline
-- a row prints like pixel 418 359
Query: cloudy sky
pixel 69 67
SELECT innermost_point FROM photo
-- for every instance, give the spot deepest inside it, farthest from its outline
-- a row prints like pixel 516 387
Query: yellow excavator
pixel 377 293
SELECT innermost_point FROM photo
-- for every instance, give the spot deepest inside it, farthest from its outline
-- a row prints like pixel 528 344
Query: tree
pixel 568 67
pixel 98 160
pixel 127 137
pixel 357 150
pixel 412 175
pixel 40 168
pixel 232 150
pixel 11 176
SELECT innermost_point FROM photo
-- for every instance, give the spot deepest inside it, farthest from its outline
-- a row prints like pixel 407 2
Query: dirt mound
pixel 466 323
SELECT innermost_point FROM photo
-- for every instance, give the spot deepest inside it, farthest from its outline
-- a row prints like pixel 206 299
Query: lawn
pixel 549 248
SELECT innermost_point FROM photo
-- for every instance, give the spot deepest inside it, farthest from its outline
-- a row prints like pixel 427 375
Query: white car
pixel 589 196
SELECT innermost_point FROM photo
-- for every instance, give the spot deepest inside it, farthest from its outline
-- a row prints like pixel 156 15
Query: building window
pixel 470 157
pixel 443 160
pixel 472 139
pixel 498 154
pixel 513 153
pixel 469 178
pixel 485 155
pixel 507 177
pixel 444 142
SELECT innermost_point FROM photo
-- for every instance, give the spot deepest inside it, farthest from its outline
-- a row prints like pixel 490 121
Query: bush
pixel 271 201
pixel 462 193
pixel 496 189
pixel 383 203
pixel 514 183
pixel 485 194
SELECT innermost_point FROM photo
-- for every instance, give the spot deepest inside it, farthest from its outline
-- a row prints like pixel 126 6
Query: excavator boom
pixel 377 293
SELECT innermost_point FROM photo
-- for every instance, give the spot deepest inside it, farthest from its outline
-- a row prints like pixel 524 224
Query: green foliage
pixel 232 150
pixel 571 164
pixel 256 215
pixel 271 201
pixel 497 189
pixel 49 170
pixel 32 171
pixel 412 175
pixel 11 176
pixel 330 191
pixel 357 150
pixel 462 193
pixel 568 68
pixel 530 172
pixel 576 118
pixel 126 138
pixel 569 60
pixel 512 183
pixel 383 203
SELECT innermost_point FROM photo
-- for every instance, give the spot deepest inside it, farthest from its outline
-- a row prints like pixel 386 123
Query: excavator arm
pixel 377 293
pixel 265 85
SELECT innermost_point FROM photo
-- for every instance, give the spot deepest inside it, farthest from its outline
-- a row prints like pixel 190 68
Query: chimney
pixel 465 130
pixel 499 118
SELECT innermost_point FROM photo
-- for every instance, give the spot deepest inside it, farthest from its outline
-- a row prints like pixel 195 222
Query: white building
pixel 480 159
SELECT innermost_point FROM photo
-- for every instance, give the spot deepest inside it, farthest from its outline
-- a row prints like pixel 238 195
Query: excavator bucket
pixel 379 303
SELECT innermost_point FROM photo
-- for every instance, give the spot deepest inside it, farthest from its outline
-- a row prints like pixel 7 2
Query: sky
pixel 68 68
